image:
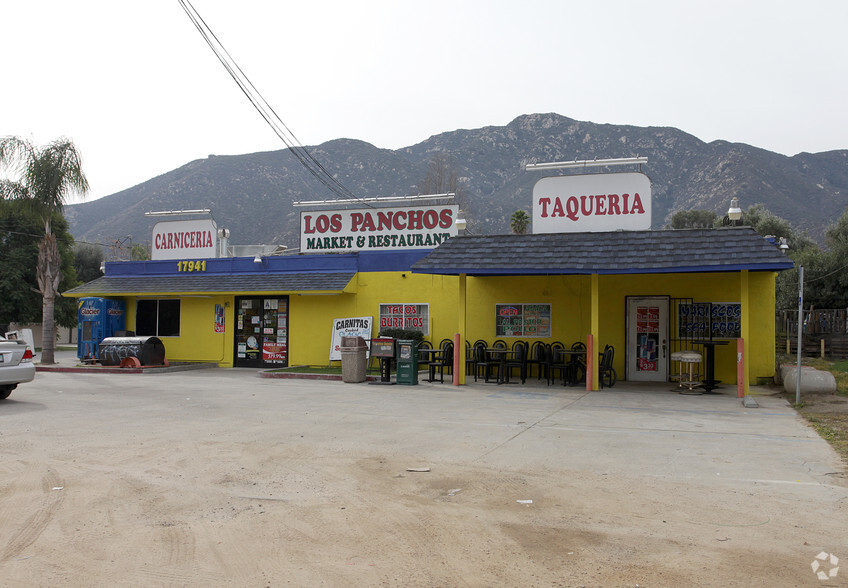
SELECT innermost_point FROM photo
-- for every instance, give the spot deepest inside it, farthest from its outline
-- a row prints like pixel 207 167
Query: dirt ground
pixel 828 415
pixel 225 479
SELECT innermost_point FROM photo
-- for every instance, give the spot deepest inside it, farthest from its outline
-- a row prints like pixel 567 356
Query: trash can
pixel 354 361
pixel 407 362
pixel 148 350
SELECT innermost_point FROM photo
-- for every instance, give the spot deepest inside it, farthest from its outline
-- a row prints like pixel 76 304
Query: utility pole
pixel 800 328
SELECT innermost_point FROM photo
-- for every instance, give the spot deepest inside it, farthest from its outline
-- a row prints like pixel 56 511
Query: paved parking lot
pixel 222 477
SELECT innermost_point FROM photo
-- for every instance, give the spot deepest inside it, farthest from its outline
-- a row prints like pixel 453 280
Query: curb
pixel 299 376
pixel 154 369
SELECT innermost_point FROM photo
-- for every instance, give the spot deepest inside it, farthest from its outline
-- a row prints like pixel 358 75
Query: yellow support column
pixel 460 350
pixel 745 330
pixel 594 331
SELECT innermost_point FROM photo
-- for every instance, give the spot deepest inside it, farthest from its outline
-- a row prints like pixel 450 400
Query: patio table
pixel 710 383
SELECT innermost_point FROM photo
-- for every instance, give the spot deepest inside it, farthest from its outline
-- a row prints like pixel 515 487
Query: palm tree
pixel 518 222
pixel 47 177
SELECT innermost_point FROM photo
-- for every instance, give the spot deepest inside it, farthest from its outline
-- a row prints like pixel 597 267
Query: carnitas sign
pixel 592 203
pixel 186 239
pixel 423 227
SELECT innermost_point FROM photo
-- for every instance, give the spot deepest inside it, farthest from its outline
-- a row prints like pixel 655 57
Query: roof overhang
pixel 606 253
pixel 312 283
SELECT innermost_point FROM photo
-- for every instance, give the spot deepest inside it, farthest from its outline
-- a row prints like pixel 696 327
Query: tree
pixel 87 260
pixel 518 222
pixel 441 178
pixel 47 176
pixel 19 237
pixel 828 278
pixel 140 252
pixel 692 219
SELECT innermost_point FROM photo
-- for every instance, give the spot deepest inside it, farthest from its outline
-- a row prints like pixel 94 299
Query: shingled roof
pixel 205 284
pixel 619 252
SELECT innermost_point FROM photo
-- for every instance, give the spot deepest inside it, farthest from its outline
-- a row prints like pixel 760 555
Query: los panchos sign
pixel 591 203
pixel 422 227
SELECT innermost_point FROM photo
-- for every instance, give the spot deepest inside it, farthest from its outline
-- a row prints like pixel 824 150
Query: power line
pixel 264 109
pixel 826 275
pixel 40 235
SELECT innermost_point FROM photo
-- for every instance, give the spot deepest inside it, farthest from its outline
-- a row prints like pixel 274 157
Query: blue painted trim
pixel 756 267
pixel 363 261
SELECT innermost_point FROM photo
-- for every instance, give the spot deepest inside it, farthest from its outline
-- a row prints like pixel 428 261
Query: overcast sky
pixel 135 86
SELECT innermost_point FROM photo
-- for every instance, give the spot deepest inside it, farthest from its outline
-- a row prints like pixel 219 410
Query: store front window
pixel 523 320
pixel 157 318
pixel 413 317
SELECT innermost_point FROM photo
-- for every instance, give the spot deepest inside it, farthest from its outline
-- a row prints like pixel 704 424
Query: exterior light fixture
pixel 178 212
pixel 585 163
pixel 102 267
pixel 784 244
pixel 257 258
pixel 734 213
pixel 460 224
pixel 445 196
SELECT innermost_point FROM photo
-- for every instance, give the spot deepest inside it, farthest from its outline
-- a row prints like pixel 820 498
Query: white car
pixel 16 366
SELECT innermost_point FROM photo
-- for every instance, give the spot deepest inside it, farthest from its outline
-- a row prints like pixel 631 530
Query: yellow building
pixel 646 293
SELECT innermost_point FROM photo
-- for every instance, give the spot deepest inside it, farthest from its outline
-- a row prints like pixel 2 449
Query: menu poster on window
pixel 219 318
pixel 726 320
pixel 274 352
pixel 647 337
pixel 709 320
pixel 692 320
pixel 523 320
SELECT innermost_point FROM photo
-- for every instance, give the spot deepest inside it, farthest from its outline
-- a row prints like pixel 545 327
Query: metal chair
pixel 556 361
pixel 484 362
pixel 518 360
pixel 605 369
pixel 536 356
pixel 469 357
pixel 442 360
pixel 577 365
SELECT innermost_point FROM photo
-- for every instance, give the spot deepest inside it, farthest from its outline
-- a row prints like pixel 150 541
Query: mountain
pixel 252 194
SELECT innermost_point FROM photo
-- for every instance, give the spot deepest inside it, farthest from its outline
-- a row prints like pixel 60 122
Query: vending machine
pixel 98 318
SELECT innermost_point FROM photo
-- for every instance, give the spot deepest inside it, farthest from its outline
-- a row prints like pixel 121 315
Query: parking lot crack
pixel 532 425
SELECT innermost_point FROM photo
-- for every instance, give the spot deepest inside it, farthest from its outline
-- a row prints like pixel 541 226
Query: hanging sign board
pixel 348 327
pixel 592 203
pixel 421 227
pixel 186 239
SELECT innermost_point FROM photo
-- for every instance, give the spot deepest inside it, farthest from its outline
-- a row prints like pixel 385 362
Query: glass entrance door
pixel 261 331
pixel 647 339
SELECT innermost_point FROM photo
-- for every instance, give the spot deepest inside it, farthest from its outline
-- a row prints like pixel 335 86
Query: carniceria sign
pixel 184 239
pixel 592 202
pixel 422 227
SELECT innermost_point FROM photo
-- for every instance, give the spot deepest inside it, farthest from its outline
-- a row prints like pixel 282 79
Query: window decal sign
pixel 523 320
pixel 408 316
pixel 709 320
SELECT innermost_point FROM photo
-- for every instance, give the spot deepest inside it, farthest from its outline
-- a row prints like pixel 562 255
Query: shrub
pixel 416 336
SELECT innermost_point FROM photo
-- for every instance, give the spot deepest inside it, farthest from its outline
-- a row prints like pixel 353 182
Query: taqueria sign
pixel 592 202
pixel 421 227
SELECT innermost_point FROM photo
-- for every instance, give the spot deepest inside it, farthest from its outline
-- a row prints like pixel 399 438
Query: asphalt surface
pixel 678 489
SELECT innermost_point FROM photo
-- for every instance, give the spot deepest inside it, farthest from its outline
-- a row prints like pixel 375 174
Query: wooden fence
pixel 824 334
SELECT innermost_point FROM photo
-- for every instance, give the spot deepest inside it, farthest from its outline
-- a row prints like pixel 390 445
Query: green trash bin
pixel 407 362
